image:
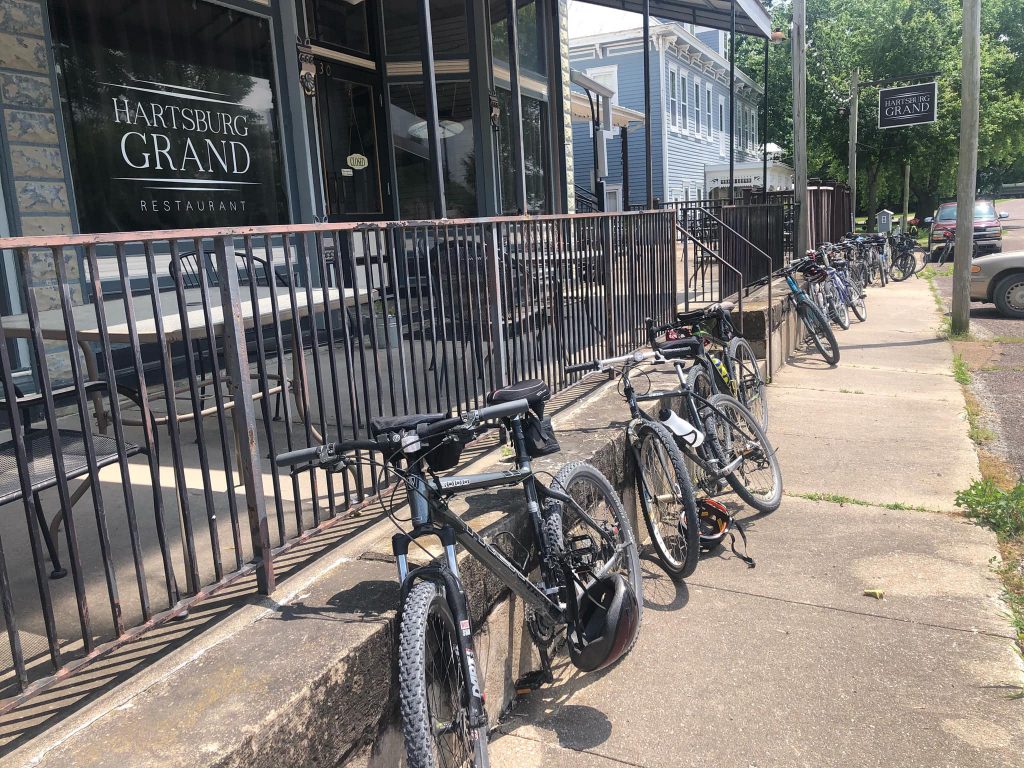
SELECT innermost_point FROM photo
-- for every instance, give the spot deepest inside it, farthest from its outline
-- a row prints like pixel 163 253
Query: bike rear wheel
pixel 750 386
pixel 667 501
pixel 820 332
pixel 903 266
pixel 758 478
pixel 434 693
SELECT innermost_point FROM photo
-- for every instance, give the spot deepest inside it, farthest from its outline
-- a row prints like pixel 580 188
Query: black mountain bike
pixel 662 482
pixel 728 357
pixel 582 545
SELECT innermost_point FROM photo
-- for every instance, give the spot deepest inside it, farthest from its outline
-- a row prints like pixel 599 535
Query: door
pixel 347 114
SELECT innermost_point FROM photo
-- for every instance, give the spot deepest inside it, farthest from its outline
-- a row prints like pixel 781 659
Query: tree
pixel 890 38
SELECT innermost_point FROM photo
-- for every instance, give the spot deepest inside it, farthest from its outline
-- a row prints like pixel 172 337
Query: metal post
pixel 433 127
pixel 732 99
pixel 243 414
pixel 800 124
pixel 518 154
pixel 906 194
pixel 647 104
pixel 488 191
pixel 852 179
pixel 966 181
pixel 764 136
pixel 624 139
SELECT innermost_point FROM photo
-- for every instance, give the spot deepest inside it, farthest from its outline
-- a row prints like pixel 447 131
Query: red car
pixel 988 230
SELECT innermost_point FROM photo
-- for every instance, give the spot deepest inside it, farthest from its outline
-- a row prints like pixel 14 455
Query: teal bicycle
pixel 819 329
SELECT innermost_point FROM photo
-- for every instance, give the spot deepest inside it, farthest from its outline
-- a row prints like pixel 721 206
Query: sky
pixel 587 19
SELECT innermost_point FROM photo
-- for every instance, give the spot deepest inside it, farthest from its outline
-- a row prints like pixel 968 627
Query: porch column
pixel 647 104
pixel 732 99
pixel 764 129
pixel 433 127
pixel 519 157
pixel 624 134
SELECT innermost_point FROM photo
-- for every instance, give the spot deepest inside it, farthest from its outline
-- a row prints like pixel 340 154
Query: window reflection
pixel 412 152
pixel 531 40
pixel 447 23
pixel 535 151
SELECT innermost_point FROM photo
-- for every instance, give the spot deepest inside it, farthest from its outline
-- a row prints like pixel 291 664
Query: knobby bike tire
pixel 750 385
pixel 574 480
pixel 428 647
pixel 820 331
pixel 671 522
pixel 758 479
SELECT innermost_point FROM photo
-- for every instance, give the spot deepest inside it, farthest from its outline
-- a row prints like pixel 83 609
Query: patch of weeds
pixel 979 433
pixel 852 391
pixel 835 498
pixel 961 372
pixel 1008 339
pixel 1002 509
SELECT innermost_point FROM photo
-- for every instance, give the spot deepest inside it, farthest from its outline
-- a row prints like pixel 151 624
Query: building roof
pixel 752 18
pixel 687 42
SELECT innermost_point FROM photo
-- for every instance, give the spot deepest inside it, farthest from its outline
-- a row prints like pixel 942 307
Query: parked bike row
pixel 579 572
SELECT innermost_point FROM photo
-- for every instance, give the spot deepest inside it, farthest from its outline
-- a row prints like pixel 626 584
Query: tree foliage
pixel 892 38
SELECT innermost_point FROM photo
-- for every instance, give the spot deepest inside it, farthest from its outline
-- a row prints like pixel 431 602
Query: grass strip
pixel 835 498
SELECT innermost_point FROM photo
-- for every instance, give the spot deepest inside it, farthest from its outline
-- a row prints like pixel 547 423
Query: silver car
pixel 999 278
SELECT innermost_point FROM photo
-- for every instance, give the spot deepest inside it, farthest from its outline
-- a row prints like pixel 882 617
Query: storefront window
pixel 535 151
pixel 170 114
pixel 531 39
pixel 412 152
pixel 341 23
pixel 447 22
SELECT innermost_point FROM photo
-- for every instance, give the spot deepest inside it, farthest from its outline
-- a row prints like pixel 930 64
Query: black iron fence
pixel 147 377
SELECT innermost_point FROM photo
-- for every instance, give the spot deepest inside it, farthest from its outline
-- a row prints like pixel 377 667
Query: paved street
pixel 790 664
pixel 1013 227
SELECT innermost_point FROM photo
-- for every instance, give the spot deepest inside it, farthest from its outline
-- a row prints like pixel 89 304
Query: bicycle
pixel 904 258
pixel 849 286
pixel 823 292
pixel 817 326
pixel 733 365
pixel 582 545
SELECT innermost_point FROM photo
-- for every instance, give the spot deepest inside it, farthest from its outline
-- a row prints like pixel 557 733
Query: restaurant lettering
pixel 170 134
pixel 908 105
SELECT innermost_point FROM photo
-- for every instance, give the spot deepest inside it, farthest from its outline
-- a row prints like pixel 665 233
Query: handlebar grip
pixel 429 430
pixel 299 456
pixel 591 366
pixel 503 410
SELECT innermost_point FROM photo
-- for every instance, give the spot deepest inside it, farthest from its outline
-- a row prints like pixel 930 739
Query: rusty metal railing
pixel 151 374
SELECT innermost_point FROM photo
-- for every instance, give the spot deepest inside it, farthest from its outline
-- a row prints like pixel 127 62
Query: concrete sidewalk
pixel 790 664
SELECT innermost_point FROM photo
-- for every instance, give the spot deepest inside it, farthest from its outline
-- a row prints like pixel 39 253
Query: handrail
pixel 739 293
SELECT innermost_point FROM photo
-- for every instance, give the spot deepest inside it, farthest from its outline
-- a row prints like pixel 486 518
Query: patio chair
pixel 41 446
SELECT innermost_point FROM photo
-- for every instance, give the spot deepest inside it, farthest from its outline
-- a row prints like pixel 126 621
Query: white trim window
pixel 708 128
pixel 696 105
pixel 673 98
pixel 684 112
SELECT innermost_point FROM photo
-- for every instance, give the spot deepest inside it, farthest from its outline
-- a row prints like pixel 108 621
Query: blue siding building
pixel 690 113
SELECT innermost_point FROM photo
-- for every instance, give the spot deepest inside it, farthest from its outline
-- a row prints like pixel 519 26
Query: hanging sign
pixel 358 162
pixel 908 105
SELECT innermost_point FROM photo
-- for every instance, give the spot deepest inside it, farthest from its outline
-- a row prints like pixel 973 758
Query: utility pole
pixel 800 123
pixel 966 173
pixel 906 194
pixel 852 180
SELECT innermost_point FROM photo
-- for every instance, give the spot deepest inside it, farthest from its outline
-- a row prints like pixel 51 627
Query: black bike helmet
pixel 609 619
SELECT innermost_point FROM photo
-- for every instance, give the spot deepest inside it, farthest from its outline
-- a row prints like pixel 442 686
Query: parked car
pixel 999 278
pixel 988 228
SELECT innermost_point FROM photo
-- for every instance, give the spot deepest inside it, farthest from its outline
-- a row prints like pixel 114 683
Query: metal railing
pixel 151 375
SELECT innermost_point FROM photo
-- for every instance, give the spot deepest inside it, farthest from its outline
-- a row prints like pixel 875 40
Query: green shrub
pixel 987 503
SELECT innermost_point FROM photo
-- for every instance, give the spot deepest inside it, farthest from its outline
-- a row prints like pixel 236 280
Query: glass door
pixel 347 103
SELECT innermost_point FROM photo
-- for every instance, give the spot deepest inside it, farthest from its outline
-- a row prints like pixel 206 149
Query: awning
pixel 751 17
pixel 621 116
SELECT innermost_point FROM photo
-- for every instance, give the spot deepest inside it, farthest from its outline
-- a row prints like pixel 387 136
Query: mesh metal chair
pixel 41 446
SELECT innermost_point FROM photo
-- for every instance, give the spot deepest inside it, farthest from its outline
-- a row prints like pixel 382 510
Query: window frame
pixel 708 95
pixel 673 98
pixel 684 102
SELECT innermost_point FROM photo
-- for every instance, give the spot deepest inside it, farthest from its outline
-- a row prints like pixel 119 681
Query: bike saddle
pixel 534 391
pixel 380 425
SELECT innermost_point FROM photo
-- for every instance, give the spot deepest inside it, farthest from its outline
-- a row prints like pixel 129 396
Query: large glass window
pixel 447 23
pixel 170 114
pixel 412 150
pixel 673 97
pixel 530 29
pixel 535 151
pixel 341 23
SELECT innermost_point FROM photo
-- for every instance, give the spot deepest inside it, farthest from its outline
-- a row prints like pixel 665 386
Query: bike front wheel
pixel 750 385
pixel 820 331
pixel 758 478
pixel 667 500
pixel 433 690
